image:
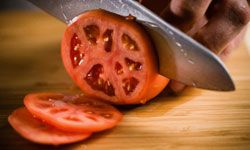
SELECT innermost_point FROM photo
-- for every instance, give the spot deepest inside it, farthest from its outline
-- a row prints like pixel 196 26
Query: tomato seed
pixel 129 43
pixel 100 81
pixel 133 65
pixel 76 48
pixel 109 89
pixel 93 78
pixel 86 104
pixel 107 38
pixel 129 85
pixel 95 71
pixel 92 118
pixel 57 110
pixel 92 33
pixel 118 68
pixel 80 62
pixel 58 103
pixel 72 118
pixel 108 83
pixel 131 47
pixel 75 55
pixel 54 97
pixel 107 116
pixel 89 112
pixel 44 105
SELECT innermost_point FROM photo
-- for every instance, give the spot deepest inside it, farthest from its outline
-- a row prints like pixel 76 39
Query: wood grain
pixel 196 119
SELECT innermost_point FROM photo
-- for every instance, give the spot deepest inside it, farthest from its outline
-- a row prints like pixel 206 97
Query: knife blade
pixel 180 57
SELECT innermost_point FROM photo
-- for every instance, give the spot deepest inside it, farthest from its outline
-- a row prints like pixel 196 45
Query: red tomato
pixel 74 113
pixel 37 131
pixel 112 58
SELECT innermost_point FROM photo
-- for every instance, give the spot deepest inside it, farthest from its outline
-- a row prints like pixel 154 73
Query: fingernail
pixel 177 87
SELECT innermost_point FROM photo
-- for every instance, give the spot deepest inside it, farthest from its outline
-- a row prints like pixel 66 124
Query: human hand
pixel 217 24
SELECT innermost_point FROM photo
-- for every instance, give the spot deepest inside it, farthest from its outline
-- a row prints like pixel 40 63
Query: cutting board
pixel 196 119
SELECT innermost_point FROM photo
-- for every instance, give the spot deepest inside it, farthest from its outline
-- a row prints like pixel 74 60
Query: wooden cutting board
pixel 196 119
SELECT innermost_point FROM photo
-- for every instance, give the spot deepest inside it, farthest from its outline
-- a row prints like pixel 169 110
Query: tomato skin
pixel 152 90
pixel 37 131
pixel 129 87
pixel 72 113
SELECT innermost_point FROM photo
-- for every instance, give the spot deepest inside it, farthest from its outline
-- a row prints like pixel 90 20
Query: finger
pixel 233 45
pixel 176 86
pixel 185 13
pixel 197 26
pixel 225 25
pixel 157 6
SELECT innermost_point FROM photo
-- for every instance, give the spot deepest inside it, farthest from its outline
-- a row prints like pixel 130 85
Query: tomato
pixel 37 131
pixel 111 57
pixel 76 113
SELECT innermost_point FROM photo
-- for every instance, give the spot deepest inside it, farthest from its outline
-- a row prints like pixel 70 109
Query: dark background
pixel 16 4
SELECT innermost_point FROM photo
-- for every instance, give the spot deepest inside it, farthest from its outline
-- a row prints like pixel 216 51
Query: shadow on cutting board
pixel 161 104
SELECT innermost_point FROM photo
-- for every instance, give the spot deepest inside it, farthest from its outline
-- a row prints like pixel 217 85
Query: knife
pixel 180 57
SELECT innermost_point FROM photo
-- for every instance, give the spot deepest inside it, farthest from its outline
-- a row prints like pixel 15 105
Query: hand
pixel 217 24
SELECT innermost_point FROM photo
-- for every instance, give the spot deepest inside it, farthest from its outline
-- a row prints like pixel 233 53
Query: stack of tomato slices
pixel 111 59
pixel 55 118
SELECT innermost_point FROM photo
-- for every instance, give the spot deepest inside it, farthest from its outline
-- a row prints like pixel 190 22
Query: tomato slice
pixel 111 57
pixel 76 113
pixel 37 131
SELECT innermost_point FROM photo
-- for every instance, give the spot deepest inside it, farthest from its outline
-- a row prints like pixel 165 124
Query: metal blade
pixel 180 57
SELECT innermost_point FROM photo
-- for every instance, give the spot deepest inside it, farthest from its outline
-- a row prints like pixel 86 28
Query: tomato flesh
pixel 112 58
pixel 97 83
pixel 37 131
pixel 76 113
pixel 75 55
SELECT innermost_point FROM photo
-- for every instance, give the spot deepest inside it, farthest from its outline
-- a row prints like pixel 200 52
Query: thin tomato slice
pixel 37 131
pixel 76 113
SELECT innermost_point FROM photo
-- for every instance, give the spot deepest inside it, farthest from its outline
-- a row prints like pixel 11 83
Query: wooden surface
pixel 197 119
